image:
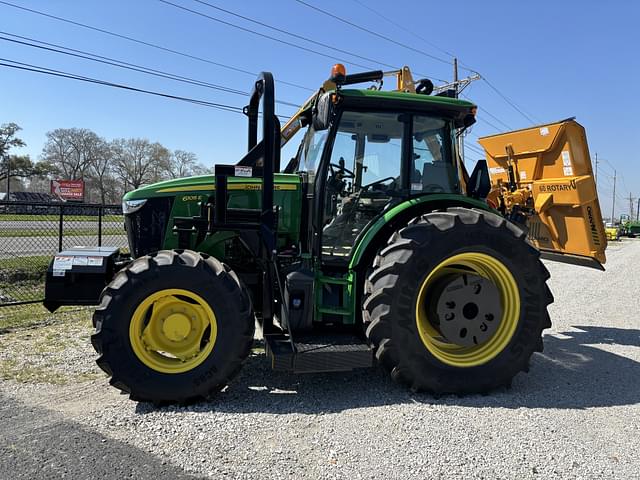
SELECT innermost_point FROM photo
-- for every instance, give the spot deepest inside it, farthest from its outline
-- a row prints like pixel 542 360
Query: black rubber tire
pixel 399 270
pixel 185 269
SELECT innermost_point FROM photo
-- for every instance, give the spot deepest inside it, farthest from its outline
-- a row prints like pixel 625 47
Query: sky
pixel 550 59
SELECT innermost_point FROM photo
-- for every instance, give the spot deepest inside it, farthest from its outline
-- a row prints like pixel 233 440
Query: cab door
pixel 545 172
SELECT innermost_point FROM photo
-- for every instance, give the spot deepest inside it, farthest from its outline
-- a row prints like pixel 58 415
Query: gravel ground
pixel 575 415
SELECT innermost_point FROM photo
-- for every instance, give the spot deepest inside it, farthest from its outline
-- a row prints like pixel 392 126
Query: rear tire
pixel 425 271
pixel 146 322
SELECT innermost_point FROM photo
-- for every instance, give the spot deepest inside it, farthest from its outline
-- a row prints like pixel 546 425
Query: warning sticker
pixel 496 170
pixel 243 171
pixel 94 261
pixel 566 159
pixel 568 171
pixel 523 175
pixel 58 273
pixel 544 131
pixel 80 261
pixel 416 187
pixel 62 262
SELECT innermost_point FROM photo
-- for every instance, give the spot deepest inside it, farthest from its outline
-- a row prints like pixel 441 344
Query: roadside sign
pixel 68 189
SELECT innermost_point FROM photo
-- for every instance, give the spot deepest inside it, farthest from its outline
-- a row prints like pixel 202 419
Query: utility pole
pixel 638 211
pixel 596 174
pixel 457 85
pixel 630 207
pixel 8 158
pixel 455 75
pixel 456 91
pixel 613 206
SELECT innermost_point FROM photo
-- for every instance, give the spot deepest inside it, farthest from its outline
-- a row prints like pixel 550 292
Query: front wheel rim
pixel 173 331
pixel 496 277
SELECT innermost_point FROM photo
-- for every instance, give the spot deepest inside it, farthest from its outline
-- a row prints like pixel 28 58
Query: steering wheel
pixel 346 173
pixel 382 180
pixel 433 188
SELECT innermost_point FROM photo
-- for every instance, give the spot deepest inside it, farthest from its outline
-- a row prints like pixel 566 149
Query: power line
pixel 411 32
pixel 286 32
pixel 58 73
pixel 480 120
pixel 402 27
pixel 388 39
pixel 148 44
pixel 52 47
pixel 510 102
pixel 484 110
pixel 371 32
pixel 264 35
pixel 473 148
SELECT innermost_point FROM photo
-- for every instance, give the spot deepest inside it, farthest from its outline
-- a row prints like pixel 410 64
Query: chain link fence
pixel 32 233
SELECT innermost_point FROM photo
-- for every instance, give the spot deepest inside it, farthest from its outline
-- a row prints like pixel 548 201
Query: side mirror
pixel 323 111
pixel 479 184
pixel 465 122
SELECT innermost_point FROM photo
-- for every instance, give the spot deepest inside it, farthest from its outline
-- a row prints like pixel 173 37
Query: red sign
pixel 68 189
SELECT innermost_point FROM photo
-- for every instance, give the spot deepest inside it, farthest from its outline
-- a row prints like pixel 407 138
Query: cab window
pixel 433 167
pixel 363 177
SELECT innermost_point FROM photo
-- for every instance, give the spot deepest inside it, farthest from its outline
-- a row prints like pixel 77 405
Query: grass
pixel 14 370
pixel 20 317
pixel 12 217
pixel 40 262
pixel 67 232
pixel 40 347
pixel 22 280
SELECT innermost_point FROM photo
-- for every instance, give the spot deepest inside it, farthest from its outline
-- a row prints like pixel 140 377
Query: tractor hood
pixel 206 184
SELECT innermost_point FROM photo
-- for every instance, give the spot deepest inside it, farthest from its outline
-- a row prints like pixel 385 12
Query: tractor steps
pixel 318 353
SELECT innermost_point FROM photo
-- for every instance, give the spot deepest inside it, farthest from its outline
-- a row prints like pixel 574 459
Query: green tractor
pixel 372 245
pixel 629 227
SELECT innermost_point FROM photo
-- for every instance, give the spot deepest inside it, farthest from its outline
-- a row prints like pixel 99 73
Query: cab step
pixel 318 353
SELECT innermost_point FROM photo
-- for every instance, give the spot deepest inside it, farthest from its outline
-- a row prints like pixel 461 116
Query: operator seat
pixel 437 173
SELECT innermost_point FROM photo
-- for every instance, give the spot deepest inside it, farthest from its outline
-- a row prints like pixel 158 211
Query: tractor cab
pixel 366 151
pixel 369 160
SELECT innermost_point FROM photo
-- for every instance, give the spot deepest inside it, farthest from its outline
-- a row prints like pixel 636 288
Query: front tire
pixel 173 327
pixel 458 302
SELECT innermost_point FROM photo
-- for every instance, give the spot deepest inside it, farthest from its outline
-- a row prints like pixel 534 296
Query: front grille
pixel 146 227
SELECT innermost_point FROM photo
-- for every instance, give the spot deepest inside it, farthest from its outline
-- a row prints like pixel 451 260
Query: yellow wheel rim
pixel 173 330
pixel 480 265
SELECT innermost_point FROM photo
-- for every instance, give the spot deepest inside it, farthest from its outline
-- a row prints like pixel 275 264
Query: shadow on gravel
pixel 572 373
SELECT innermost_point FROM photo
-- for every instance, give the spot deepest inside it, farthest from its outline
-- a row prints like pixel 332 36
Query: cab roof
pixel 386 99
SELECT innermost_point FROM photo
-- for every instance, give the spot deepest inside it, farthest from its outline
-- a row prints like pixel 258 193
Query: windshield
pixel 311 149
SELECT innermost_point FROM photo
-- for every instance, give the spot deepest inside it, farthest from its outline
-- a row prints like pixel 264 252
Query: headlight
pixel 130 206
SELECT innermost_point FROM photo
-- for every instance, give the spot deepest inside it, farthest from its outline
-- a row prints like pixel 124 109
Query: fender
pixel 408 209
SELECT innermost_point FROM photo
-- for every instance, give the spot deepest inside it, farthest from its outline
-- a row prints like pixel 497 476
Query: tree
pixel 23 167
pixel 160 158
pixel 100 167
pixel 72 150
pixel 8 140
pixel 132 161
pixel 182 164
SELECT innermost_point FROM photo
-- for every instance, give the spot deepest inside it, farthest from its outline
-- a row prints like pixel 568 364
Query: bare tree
pixel 100 167
pixel 161 163
pixel 71 150
pixel 182 164
pixel 135 161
